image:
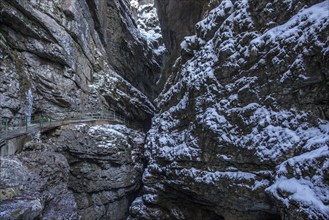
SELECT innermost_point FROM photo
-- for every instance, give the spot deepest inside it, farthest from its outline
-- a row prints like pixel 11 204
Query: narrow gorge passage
pixel 223 105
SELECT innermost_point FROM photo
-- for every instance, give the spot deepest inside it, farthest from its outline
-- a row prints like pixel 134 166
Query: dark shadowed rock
pixel 127 50
pixel 178 19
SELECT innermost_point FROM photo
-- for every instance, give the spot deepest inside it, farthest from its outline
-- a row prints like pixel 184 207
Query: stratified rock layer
pixel 243 126
pixel 128 51
pixel 60 49
pixel 38 181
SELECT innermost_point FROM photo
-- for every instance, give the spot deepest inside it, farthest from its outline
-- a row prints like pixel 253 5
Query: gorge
pixel 164 109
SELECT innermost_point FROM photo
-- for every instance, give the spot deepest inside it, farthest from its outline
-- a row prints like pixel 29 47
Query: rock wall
pixel 145 14
pixel 242 131
pixel 62 49
pixel 146 17
pixel 79 172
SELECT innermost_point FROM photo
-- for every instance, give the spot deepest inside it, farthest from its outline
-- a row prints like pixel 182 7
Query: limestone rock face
pixel 119 95
pixel 79 172
pixel 75 56
pixel 48 51
pixel 127 49
pixel 59 49
pixel 243 126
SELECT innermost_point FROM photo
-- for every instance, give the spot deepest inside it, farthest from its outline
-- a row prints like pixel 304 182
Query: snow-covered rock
pixel 146 17
pixel 243 126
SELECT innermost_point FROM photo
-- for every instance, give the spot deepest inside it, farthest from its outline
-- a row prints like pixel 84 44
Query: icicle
pixel 29 98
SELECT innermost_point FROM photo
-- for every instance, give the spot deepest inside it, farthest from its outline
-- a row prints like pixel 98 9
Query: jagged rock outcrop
pixel 105 168
pixel 146 17
pixel 79 172
pixel 242 130
pixel 243 126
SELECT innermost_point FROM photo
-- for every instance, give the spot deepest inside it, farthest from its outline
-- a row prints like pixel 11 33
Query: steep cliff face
pixel 127 49
pixel 243 126
pixel 105 167
pixel 146 17
pixel 61 49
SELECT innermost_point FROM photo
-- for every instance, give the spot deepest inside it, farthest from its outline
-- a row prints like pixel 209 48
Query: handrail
pixel 45 121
